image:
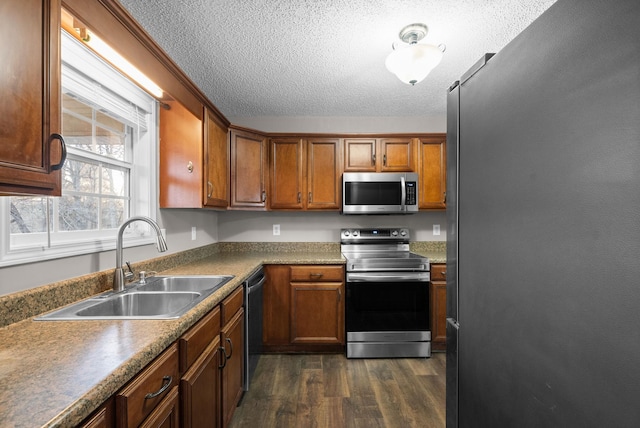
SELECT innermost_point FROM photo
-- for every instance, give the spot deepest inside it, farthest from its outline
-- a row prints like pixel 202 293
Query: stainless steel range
pixel 387 298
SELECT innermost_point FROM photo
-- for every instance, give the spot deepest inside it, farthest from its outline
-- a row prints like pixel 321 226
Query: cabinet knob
pixel 299 197
pixel 309 196
pixel 384 160
pixel 264 196
pixel 210 186
pixel 190 166
pixel 373 159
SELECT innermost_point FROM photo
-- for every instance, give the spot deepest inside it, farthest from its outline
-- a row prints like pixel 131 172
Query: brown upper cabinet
pixel 324 174
pixel 216 156
pixel 194 160
pixel 304 174
pixel 31 148
pixel 248 170
pixel 379 154
pixel 433 172
pixel 181 159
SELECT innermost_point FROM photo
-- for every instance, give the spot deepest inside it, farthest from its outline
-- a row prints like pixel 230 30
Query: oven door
pixel 387 318
pixel 387 302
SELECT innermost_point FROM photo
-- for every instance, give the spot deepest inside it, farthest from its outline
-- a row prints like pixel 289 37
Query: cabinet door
pixel 359 154
pixel 317 312
pixel 180 157
pixel 30 153
pixel 286 164
pixel 433 173
pixel 216 186
pixel 232 342
pixel 438 306
pixel 323 174
pixel 200 390
pixel 275 321
pixel 248 170
pixel 397 154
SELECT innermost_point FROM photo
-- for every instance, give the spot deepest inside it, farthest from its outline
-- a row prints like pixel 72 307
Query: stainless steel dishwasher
pixel 253 292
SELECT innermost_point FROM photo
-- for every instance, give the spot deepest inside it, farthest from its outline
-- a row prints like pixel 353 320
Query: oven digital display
pixel 375 232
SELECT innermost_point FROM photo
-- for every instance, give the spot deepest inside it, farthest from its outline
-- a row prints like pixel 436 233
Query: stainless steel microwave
pixel 379 192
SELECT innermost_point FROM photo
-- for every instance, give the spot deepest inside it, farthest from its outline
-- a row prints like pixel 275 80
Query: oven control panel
pixel 374 234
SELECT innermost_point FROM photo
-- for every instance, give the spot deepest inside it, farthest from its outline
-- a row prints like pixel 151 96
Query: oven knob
pixel 394 233
pixel 403 232
pixel 355 233
pixel 346 233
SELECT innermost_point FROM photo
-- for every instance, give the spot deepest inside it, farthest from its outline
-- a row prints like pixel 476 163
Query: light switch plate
pixel 276 229
pixel 436 229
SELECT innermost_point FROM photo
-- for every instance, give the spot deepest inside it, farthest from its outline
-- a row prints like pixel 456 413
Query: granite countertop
pixel 55 373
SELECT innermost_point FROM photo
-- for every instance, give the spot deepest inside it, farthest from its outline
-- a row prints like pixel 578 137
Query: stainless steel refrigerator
pixel 543 225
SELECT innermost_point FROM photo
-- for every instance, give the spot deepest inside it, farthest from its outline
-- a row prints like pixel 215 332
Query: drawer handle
pixel 224 354
pixel 166 381
pixel 316 275
pixel 231 346
pixel 63 147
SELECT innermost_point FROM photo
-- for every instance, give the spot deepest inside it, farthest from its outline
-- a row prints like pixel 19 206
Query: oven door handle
pixel 387 277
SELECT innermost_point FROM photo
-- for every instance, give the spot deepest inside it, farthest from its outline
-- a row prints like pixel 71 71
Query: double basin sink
pixel 159 297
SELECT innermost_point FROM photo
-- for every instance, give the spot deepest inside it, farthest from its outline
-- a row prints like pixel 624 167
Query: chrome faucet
pixel 118 277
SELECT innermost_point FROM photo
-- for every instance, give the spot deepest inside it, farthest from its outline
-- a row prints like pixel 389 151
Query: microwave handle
pixel 403 186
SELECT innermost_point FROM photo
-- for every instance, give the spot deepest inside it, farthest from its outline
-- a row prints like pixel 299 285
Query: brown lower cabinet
pixel 195 382
pixel 438 306
pixel 200 361
pixel 232 347
pixel 304 308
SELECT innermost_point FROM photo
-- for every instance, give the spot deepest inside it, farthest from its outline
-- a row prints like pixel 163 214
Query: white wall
pixel 244 226
pixel 177 223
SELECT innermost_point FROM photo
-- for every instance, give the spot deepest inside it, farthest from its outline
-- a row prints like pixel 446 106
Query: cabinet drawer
pixel 196 340
pixel 438 272
pixel 317 273
pixel 140 397
pixel 231 304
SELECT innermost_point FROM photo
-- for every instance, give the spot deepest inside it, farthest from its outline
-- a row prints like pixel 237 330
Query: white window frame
pixel 143 176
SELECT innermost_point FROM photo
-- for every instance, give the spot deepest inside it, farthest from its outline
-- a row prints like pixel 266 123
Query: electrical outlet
pixel 193 233
pixel 276 229
pixel 436 229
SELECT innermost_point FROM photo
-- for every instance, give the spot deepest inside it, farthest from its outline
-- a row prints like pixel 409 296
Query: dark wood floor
pixel 332 391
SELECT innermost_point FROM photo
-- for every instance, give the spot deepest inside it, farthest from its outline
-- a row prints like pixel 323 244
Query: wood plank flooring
pixel 332 391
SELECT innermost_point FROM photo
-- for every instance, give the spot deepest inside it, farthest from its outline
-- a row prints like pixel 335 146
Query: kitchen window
pixel 110 129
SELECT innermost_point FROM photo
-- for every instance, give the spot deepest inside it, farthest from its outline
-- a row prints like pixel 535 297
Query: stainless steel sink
pixel 183 283
pixel 140 305
pixel 162 297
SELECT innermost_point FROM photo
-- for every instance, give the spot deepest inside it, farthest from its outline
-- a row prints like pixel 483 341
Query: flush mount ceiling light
pixel 413 62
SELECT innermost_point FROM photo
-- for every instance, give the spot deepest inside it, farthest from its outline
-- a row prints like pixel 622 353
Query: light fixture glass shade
pixel 414 62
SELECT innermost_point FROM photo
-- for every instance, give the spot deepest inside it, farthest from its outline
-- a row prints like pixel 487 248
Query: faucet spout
pixel 118 277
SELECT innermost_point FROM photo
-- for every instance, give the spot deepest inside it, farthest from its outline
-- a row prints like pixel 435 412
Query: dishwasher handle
pixel 255 283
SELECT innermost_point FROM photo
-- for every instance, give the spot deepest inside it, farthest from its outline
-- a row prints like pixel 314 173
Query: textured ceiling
pixel 324 57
